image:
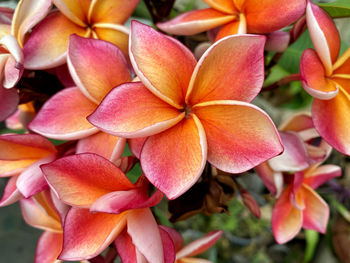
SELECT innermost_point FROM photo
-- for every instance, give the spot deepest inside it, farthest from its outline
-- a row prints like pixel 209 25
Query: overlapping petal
pixel 49 247
pixel 14 167
pixel 226 6
pixel 125 248
pixel 11 194
pixel 96 66
pixel 175 171
pixel 164 65
pixel 321 174
pixel 241 62
pixel 75 11
pixel 9 100
pixel 81 179
pixel 196 21
pixel 63 117
pixel 234 149
pixel 131 110
pixel 232 28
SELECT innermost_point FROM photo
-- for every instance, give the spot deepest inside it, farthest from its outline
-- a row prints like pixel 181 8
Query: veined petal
pixel 144 232
pixel 9 100
pixel 136 145
pixel 96 66
pixel 313 77
pixel 24 146
pixel 76 11
pixel 163 64
pixel 32 180
pixel 200 245
pixel 27 14
pixel 234 150
pixel 11 194
pixel 111 11
pixel 81 179
pixel 241 75
pixel 86 235
pixel 324 35
pixel 196 21
pixel 174 172
pixel 286 220
pixel 131 110
pixel 316 212
pixel 272 15
pixel 332 120
pixel 321 174
pixel 47 45
pixel 49 247
pixel 226 6
pixel 106 145
pixel 63 116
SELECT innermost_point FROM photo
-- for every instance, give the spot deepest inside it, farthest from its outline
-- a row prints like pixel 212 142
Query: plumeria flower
pixel 326 78
pixel 96 66
pixel 191 112
pixel 19 120
pixel 104 203
pixel 20 158
pixel 46 47
pixel 237 17
pixel 302 147
pixel 46 212
pixel 299 206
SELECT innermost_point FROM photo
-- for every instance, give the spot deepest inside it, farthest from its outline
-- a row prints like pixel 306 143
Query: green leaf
pixel 312 238
pixel 338 8
pixel 134 173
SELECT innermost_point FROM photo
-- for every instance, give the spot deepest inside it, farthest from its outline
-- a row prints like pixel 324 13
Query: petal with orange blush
pixel 342 65
pixel 196 21
pixel 136 145
pixel 47 45
pixel 313 77
pixel 9 100
pixel 11 194
pixel 76 11
pixel 234 150
pixel 131 110
pixel 332 120
pixel 271 15
pixel 111 11
pixel 63 116
pixel 49 247
pixel 96 66
pixel 80 180
pixel 241 75
pixel 27 14
pixel 85 235
pixel 228 29
pixel 163 64
pixel 324 35
pixel 174 172
pixel 286 220
pixel 225 6
pixel 316 212
pixel 321 175
pixel 14 167
pixel 145 236
pixel 106 145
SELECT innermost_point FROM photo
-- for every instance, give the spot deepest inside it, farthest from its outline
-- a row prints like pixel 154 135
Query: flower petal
pixel 27 14
pixel 9 100
pixel 163 64
pixel 234 150
pixel 174 172
pixel 63 116
pixel 11 194
pixel 232 28
pixel 136 145
pixel 111 11
pixel 241 75
pixel 324 35
pixel 332 120
pixel 286 220
pixel 76 11
pixel 272 15
pixel 96 66
pixel 49 247
pixel 131 110
pixel 144 232
pixel 79 180
pixel 168 246
pixel 313 77
pixel 196 21
pixel 226 6
pixel 125 248
pixel 272 180
pixel 316 212
pixel 47 45
pixel 321 175
pixel 14 167
pixel 86 235
pixel 106 145
pixel 175 236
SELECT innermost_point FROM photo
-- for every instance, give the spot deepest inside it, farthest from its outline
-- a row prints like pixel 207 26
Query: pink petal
pixel 174 172
pixel 62 73
pixel 241 75
pixel 168 246
pixel 136 145
pixel 96 66
pixel 148 114
pixel 175 236
pixel 321 175
pixel 267 175
pixel 11 194
pixel 81 179
pixel 9 100
pixel 49 247
pixel 63 116
pixel 125 248
pixel 277 41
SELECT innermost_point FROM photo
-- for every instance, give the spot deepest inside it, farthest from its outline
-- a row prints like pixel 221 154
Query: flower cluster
pixel 71 71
